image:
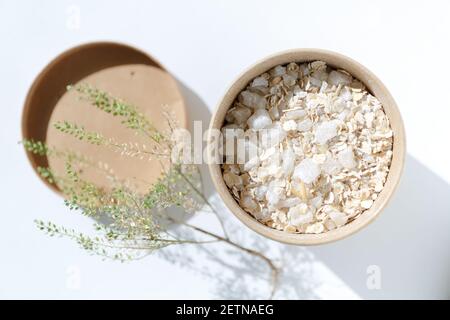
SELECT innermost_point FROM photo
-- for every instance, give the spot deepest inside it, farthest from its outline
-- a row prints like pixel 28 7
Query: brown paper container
pixel 124 72
pixel 373 84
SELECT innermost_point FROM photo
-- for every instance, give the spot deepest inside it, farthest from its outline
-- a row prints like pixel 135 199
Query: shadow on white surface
pixel 198 111
pixel 409 242
pixel 233 274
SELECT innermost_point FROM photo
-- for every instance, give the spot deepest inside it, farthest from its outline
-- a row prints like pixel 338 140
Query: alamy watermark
pixel 73 21
pixel 373 281
pixel 73 278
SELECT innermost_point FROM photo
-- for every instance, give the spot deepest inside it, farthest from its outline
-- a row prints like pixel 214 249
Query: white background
pixel 206 44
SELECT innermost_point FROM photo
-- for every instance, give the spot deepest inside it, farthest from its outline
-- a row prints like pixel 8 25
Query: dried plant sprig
pixel 124 148
pixel 108 243
pixel 133 225
pixel 132 118
pixel 79 132
pixel 35 147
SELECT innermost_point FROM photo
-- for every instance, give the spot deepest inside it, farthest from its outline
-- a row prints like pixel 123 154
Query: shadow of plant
pixel 233 273
pixel 237 275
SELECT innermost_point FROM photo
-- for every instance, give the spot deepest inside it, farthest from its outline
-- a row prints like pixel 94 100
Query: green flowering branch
pixel 132 118
pixel 133 225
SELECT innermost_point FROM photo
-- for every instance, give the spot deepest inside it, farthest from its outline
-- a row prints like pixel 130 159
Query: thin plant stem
pixel 273 268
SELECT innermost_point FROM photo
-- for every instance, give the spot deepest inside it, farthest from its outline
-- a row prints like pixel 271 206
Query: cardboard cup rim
pixel 59 58
pixel 377 88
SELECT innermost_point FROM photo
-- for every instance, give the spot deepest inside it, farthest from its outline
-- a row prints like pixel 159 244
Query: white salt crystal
pixel 278 71
pixel 274 194
pixel 252 163
pixel 339 218
pixel 326 131
pixel 295 114
pixel 248 203
pixel 288 162
pixel 337 78
pixel 259 120
pixel 305 125
pixel 315 82
pixel 246 150
pixel 289 80
pixel 366 204
pixel 240 114
pixel 290 125
pixel 260 82
pixel 300 215
pixel 329 224
pixel 343 115
pixel 232 179
pixel 260 192
pixel 331 165
pixel 304 69
pixel 316 202
pixel 346 158
pixel 289 202
pixel 307 171
pixel 272 136
pixel 274 113
pixel 262 215
pixel 252 100
pixel 346 94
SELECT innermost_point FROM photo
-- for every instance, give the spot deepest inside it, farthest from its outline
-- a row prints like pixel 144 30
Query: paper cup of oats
pixel 311 147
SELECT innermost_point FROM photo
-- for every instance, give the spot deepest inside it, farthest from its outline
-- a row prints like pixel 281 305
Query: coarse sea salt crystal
pixel 315 228
pixel 278 71
pixel 346 158
pixel 331 165
pixel 260 192
pixel 232 179
pixel 248 203
pixel 295 114
pixel 346 94
pixel 259 120
pixel 252 163
pixel 272 136
pixel 339 218
pixel 366 204
pixel 305 125
pixel 290 125
pixel 337 78
pixel 289 202
pixel 288 162
pixel 300 215
pixel 260 82
pixel 326 131
pixel 307 171
pixel 252 100
pixel 240 114
pixel 274 194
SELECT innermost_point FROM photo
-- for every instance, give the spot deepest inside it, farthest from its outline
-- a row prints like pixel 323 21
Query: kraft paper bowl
pixel 374 85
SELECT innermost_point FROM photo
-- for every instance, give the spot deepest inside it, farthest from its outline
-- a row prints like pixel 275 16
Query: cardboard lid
pixel 123 71
pixel 148 88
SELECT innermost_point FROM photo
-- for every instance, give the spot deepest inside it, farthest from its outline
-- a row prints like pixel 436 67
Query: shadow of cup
pixel 406 249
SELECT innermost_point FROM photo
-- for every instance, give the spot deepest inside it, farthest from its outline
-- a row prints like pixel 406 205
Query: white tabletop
pixel 206 44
